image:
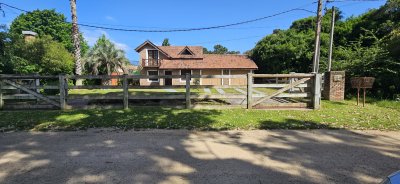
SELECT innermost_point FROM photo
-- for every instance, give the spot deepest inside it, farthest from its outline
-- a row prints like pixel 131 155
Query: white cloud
pixel 91 37
pixel 122 46
pixel 110 18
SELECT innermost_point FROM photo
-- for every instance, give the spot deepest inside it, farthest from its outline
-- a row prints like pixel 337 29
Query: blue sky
pixel 162 14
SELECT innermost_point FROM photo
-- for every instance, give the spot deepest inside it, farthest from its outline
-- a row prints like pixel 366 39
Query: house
pixel 180 60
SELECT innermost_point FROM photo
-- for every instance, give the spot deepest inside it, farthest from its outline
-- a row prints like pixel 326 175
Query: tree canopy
pixel 166 42
pixel 366 45
pixel 104 58
pixel 46 22
pixel 219 49
pixel 41 55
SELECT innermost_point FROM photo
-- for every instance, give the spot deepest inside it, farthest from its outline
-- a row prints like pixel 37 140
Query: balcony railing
pixel 151 62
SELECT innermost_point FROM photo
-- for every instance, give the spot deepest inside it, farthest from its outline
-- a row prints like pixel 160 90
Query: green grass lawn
pixel 382 115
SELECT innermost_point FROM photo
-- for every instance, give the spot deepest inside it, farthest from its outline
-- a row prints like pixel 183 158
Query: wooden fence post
pixel 188 103
pixel 61 79
pixel 37 83
pixel 249 91
pixel 1 94
pixel 316 91
pixel 126 91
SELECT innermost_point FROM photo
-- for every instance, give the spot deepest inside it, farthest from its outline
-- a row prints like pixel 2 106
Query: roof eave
pixel 153 45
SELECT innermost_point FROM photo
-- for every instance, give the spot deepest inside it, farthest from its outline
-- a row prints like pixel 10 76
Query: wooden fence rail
pixel 311 82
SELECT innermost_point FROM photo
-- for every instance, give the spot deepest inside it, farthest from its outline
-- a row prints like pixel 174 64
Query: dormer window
pixel 186 51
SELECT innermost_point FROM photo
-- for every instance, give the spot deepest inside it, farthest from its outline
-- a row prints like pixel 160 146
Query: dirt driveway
pixel 105 156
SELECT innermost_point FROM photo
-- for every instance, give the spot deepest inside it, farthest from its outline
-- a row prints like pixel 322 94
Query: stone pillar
pixel 334 83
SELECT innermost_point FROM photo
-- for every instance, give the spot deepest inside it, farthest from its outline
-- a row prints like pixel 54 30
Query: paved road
pixel 105 156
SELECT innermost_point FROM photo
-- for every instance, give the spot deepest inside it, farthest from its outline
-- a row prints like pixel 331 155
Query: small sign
pixel 337 78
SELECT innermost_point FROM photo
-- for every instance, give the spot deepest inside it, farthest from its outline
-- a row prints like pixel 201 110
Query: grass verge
pixel 378 115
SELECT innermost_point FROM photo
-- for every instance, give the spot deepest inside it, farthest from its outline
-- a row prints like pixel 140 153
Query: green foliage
pixel 166 42
pixel 367 45
pixel 42 55
pixel 105 58
pixel 46 22
pixel 219 49
pixel 3 54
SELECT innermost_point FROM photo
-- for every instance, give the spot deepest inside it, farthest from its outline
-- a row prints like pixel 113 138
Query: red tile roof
pixel 174 51
pixel 211 61
pixel 177 60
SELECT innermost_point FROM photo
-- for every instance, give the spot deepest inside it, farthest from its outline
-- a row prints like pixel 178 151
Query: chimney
pixel 29 35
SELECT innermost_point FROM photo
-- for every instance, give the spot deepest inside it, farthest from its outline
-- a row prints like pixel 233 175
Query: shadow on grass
pixel 136 118
pixel 337 102
pixel 293 124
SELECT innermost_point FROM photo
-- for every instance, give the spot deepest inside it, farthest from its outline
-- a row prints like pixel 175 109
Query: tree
pixel 219 49
pixel 75 36
pixel 4 59
pixel 42 55
pixel 366 45
pixel 105 58
pixel 166 42
pixel 46 22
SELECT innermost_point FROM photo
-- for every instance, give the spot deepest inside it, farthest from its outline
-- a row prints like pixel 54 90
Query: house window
pixel 225 72
pixel 152 54
pixel 184 72
pixel 186 52
pixel 226 81
pixel 154 73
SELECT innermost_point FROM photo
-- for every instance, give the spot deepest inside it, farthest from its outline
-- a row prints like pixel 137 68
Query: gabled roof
pixel 176 60
pixel 174 51
pixel 212 61
pixel 186 49
pixel 148 42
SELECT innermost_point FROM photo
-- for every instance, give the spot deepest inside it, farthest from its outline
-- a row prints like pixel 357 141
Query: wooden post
pixel 61 79
pixel 249 91
pixel 317 91
pixel 358 96
pixel 364 98
pixel 188 103
pixel 126 91
pixel 36 84
pixel 317 38
pixel 1 94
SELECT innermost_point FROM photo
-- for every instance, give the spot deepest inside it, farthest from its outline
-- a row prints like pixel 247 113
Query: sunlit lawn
pixel 383 115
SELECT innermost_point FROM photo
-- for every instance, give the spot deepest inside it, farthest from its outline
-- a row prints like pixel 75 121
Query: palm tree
pixel 105 58
pixel 75 36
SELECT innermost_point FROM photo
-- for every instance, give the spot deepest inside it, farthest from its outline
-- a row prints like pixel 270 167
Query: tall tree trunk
pixel 75 36
pixel 107 82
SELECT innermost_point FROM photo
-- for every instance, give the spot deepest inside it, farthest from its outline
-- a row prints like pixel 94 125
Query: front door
pixel 168 81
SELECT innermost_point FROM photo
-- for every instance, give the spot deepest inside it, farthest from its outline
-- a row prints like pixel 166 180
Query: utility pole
pixel 317 38
pixel 331 40
pixel 76 39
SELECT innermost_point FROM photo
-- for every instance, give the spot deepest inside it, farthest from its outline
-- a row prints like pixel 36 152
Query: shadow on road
pixel 173 156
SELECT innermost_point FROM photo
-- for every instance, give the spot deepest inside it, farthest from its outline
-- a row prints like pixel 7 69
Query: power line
pixel 196 29
pixel 180 30
pixel 341 1
pixel 228 40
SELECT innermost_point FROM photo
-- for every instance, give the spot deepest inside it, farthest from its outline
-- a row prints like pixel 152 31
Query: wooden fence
pixel 293 90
